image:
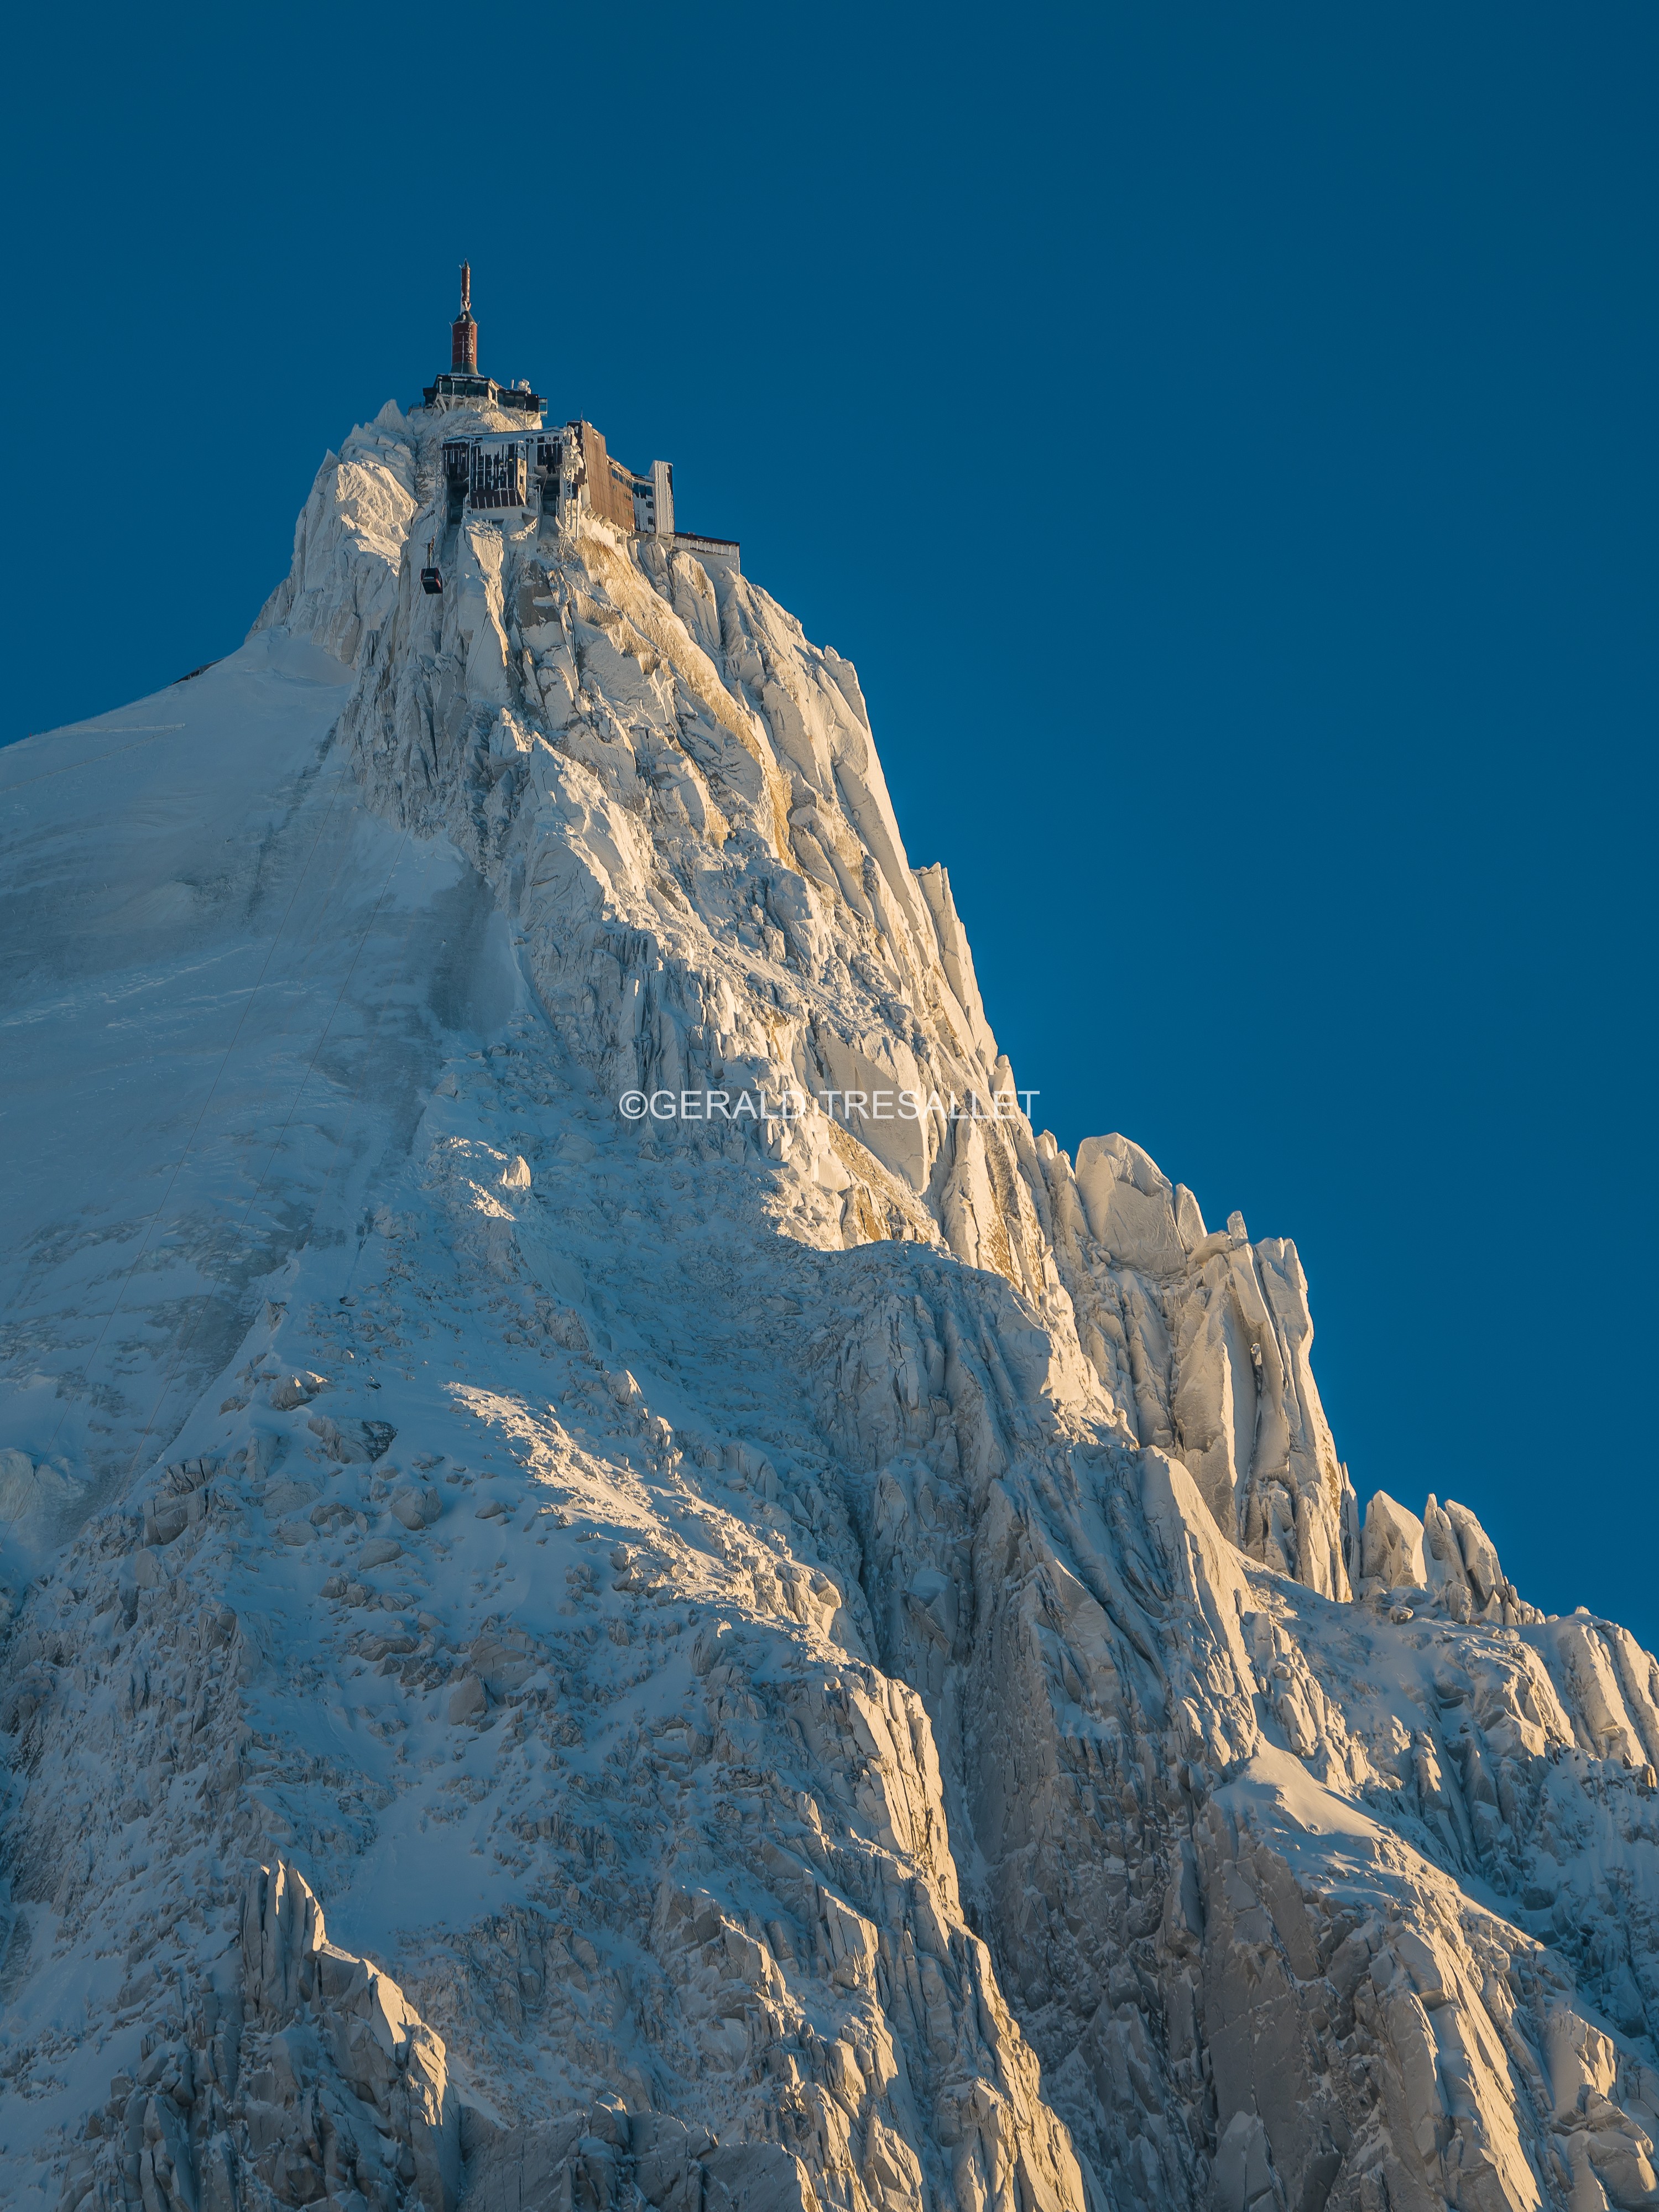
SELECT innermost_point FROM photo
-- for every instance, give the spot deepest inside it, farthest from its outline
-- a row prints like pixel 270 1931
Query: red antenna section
pixel 464 331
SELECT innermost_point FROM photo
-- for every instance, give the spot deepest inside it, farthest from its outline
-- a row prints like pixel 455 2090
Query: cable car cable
pixel 224 1062
pixel 182 1347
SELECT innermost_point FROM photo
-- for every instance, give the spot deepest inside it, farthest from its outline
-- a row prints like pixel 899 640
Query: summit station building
pixel 511 475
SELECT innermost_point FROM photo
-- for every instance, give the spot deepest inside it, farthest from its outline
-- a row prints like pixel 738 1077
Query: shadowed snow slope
pixel 826 1661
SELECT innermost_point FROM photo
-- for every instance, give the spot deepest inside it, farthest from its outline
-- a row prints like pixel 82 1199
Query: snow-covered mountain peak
pixel 625 1586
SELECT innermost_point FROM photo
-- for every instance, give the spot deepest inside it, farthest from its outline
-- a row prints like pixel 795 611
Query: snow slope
pixel 560 1658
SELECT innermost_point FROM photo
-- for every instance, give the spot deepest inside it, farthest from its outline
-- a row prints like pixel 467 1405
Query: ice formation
pixel 558 1661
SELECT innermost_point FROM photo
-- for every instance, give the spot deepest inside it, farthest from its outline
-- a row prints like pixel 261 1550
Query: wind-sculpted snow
pixel 824 1660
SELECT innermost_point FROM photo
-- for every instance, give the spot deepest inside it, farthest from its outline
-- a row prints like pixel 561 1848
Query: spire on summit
pixel 461 385
pixel 464 331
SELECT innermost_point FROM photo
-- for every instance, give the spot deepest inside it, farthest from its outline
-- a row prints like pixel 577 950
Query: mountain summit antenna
pixel 464 331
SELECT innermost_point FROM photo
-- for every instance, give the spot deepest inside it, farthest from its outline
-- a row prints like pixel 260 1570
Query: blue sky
pixel 1224 442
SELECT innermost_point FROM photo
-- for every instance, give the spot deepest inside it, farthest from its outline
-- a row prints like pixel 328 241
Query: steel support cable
pixel 183 1346
pixel 356 1096
pixel 258 984
pixel 351 1115
pixel 159 730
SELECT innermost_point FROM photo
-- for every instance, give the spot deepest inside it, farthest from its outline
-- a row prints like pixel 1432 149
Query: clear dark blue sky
pixel 1223 438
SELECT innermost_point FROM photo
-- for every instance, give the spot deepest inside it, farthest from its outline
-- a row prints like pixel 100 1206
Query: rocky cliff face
pixel 827 1660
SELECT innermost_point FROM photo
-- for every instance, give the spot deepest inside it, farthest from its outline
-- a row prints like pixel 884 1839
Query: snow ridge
pixel 825 1661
